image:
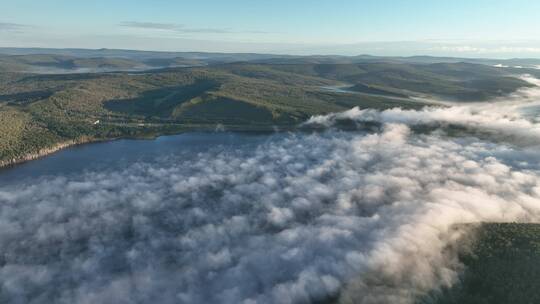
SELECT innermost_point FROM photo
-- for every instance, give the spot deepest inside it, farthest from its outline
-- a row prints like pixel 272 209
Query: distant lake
pixel 124 152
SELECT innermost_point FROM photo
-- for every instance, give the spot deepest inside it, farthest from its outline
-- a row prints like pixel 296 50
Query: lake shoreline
pixel 44 152
pixel 48 151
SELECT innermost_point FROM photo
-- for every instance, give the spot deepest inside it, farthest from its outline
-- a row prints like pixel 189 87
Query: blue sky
pixel 479 28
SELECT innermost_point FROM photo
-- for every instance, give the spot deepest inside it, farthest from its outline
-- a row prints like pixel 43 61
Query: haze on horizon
pixel 502 29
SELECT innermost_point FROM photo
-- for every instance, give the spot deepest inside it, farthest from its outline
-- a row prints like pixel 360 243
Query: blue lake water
pixel 124 152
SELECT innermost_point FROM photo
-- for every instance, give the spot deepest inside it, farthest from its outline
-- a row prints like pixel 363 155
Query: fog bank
pixel 359 216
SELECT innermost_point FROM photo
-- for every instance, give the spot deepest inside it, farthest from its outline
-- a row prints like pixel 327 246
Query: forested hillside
pixel 40 111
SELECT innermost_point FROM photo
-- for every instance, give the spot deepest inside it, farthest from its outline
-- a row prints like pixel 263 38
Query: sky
pixel 480 28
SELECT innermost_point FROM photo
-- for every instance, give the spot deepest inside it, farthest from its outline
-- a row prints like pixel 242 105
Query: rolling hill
pixel 41 111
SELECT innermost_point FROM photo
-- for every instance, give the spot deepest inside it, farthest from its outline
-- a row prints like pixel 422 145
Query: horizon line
pixel 276 53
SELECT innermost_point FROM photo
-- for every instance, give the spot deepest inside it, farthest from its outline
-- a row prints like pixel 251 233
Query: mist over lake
pixel 118 154
pixel 290 217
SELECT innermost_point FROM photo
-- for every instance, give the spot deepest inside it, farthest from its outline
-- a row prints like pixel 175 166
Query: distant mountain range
pixel 43 60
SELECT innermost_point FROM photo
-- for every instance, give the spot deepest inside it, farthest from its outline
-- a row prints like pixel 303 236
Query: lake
pixel 124 152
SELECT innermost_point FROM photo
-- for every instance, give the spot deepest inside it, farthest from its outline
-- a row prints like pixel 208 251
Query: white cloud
pixel 179 28
pixel 505 117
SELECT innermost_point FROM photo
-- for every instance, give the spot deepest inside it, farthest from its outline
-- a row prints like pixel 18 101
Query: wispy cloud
pixel 7 26
pixel 181 28
pixel 173 27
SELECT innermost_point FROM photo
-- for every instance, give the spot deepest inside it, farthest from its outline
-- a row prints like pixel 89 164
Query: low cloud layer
pixel 505 119
pixel 362 217
pixel 486 50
